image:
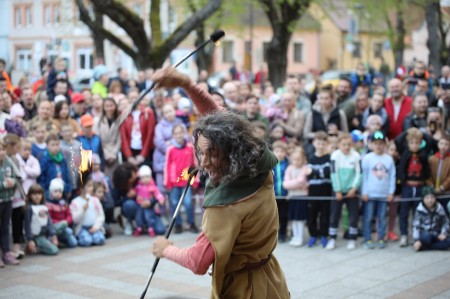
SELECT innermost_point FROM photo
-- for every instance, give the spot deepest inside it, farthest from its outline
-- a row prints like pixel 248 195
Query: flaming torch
pixel 86 162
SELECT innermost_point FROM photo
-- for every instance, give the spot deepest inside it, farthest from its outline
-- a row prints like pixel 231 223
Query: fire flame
pixel 185 176
pixel 86 162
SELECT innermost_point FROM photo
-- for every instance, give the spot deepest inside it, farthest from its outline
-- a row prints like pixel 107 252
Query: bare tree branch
pixel 155 21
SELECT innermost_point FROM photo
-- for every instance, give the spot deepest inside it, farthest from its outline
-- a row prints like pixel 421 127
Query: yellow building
pixel 343 44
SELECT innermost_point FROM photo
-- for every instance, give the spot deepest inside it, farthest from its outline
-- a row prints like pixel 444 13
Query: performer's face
pixel 208 162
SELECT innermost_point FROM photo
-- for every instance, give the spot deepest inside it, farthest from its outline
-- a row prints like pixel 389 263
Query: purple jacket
pixel 163 134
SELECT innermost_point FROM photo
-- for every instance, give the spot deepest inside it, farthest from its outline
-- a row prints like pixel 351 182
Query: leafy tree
pixel 146 51
pixel 283 16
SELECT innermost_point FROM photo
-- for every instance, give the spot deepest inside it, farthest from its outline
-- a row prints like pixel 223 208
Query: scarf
pixel 56 158
pixel 242 186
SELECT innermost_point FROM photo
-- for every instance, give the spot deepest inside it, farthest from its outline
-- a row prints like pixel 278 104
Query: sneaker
pixel 10 259
pixel 137 232
pixel 331 244
pixel 19 254
pixel 381 244
pixel 312 241
pixel 295 242
pixel 369 245
pixel 178 229
pixel 128 229
pixel 351 244
pixel 193 229
pixel 392 236
pixel 151 232
pixel 323 241
pixel 403 241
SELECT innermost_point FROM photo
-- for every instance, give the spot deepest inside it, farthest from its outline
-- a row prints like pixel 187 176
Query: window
pixel 28 16
pixel 56 14
pixel 52 14
pixel 298 52
pixel 47 15
pixel 356 50
pixel 23 57
pixel 85 59
pixel 378 50
pixel 228 51
pixel 265 48
pixel 18 17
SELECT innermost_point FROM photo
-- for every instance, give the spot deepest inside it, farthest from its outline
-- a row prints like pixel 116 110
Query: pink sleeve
pixel 197 258
pixel 202 99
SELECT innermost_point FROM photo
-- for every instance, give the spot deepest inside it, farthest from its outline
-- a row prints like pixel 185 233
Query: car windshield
pixel 329 75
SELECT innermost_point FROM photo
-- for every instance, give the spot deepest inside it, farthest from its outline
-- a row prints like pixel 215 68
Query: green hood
pixel 240 187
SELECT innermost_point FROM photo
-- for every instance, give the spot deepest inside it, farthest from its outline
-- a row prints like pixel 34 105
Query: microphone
pixel 214 37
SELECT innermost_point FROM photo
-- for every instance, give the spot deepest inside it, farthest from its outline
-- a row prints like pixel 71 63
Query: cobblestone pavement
pixel 120 269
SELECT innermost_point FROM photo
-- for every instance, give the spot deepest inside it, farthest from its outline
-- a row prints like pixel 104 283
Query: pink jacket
pixel 178 159
pixel 147 192
pixel 30 170
pixel 296 180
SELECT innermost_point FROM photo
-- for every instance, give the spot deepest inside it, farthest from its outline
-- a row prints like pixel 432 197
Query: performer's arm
pixel 202 99
pixel 197 258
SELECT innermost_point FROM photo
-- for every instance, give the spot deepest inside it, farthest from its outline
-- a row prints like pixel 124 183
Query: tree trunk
pixel 98 38
pixel 203 58
pixel 399 46
pixel 277 53
pixel 434 40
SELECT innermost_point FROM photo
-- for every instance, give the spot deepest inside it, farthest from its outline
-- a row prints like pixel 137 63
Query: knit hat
pixel 56 184
pixel 144 170
pixel 96 159
pixel 60 98
pixel 16 110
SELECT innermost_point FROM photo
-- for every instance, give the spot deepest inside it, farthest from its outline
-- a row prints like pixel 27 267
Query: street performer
pixel 240 223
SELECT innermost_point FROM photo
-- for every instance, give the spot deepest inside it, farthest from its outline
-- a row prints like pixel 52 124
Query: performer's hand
pixel 159 245
pixel 170 78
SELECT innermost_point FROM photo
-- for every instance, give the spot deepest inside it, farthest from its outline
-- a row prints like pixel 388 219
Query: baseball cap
pixel 377 135
pixel 86 120
pixel 77 97
pixel 357 135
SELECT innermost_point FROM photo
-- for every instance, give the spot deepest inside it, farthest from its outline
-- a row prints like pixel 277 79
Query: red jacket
pixel 147 126
pixel 396 127
pixel 59 212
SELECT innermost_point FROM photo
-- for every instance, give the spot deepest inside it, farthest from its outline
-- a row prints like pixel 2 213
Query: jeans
pixel 85 238
pixel 65 234
pixel 430 241
pixel 129 208
pixel 44 245
pixel 5 218
pixel 149 218
pixel 406 206
pixel 378 207
pixel 335 215
pixel 174 197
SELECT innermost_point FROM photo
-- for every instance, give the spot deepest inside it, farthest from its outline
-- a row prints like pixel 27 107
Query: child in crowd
pixel 15 123
pixel 319 185
pixel 39 229
pixel 60 213
pixel 71 150
pixel 295 181
pixel 148 197
pixel 373 124
pixel 39 145
pixel 376 107
pixel 378 187
pixel 88 216
pixel 345 179
pixel 279 150
pixel 108 206
pixel 430 225
pixel 393 205
pixel 440 169
pixel 97 174
pixel 413 171
pixel 277 133
pixel 53 165
pixel 8 181
pixel 358 141
pixel 30 168
pixel 180 156
pixel 12 143
pixel 89 140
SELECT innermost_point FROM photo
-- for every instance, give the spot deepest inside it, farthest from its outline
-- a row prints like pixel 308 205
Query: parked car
pixel 329 77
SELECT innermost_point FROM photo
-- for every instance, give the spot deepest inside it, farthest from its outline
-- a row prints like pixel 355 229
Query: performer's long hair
pixel 233 142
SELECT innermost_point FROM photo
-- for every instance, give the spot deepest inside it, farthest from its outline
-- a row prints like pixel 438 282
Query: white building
pixel 33 29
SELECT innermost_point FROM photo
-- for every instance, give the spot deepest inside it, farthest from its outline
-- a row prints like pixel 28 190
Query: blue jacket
pixel 356 80
pixel 94 144
pixel 50 170
pixel 278 176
